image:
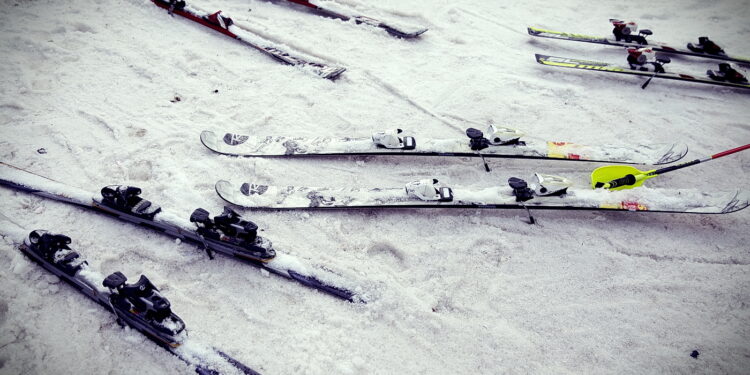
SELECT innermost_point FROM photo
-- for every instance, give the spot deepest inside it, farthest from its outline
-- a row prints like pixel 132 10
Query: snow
pixel 96 85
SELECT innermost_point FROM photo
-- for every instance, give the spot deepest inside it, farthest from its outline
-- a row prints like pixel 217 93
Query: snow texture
pixel 98 93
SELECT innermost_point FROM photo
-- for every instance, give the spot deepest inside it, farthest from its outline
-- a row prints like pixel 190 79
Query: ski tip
pixel 736 201
pixel 418 33
pixel 743 200
pixel 670 153
pixel 403 34
pixel 223 186
pixel 209 139
pixel 237 364
pixel 333 74
pixel 226 191
pixel 532 31
pixel 410 35
pixel 540 58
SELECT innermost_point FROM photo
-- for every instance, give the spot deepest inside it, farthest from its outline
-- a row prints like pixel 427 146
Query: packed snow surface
pixel 99 92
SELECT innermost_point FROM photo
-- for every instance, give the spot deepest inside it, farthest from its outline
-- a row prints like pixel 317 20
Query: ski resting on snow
pixel 401 31
pixel 199 230
pixel 139 305
pixel 498 143
pixel 548 192
pixel 543 33
pixel 225 25
pixel 563 62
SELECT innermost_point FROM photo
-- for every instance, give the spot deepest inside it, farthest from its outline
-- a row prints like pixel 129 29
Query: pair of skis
pixel 547 192
pixel 636 42
pixel 139 305
pixel 227 234
pixel 633 43
pixel 225 25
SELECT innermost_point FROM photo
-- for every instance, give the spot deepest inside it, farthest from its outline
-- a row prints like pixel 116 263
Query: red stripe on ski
pixel 305 3
pixel 195 18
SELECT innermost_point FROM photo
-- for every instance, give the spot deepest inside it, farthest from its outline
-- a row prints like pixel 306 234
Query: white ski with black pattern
pixel 278 146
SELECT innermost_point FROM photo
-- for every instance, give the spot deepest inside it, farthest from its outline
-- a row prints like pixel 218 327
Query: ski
pixel 400 31
pixel 606 67
pixel 138 305
pixel 497 143
pixel 635 42
pixel 226 26
pixel 548 192
pixel 228 233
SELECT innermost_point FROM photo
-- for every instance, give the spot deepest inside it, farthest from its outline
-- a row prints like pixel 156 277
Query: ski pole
pixel 648 81
pixel 616 177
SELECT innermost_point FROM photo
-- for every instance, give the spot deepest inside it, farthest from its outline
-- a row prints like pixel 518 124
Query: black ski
pixel 138 305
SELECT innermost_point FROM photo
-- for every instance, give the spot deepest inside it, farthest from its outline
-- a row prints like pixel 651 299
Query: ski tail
pixel 220 363
pixel 670 153
pixel 313 282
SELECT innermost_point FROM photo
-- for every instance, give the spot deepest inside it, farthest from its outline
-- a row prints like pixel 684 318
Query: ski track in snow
pixel 118 93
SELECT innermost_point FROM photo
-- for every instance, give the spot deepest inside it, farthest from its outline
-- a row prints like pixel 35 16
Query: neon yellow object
pixel 613 172
pixel 537 30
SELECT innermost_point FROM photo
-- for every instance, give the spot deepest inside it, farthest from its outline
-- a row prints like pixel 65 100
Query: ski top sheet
pixel 533 31
pixel 174 225
pixel 226 26
pixel 564 62
pixel 249 146
pixel 401 31
pixel 256 196
pixel 204 358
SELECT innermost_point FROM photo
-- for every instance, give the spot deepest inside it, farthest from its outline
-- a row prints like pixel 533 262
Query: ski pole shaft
pixel 648 81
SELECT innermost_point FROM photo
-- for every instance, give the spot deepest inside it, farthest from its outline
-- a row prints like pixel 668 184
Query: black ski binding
pixel 521 189
pixel 726 74
pixel 141 303
pixel 477 141
pixel 522 193
pixel 706 46
pixel 55 250
pixel 175 5
pixel 231 228
pixel 127 200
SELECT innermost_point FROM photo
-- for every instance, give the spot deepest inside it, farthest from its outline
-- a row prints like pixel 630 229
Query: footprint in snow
pixel 385 251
